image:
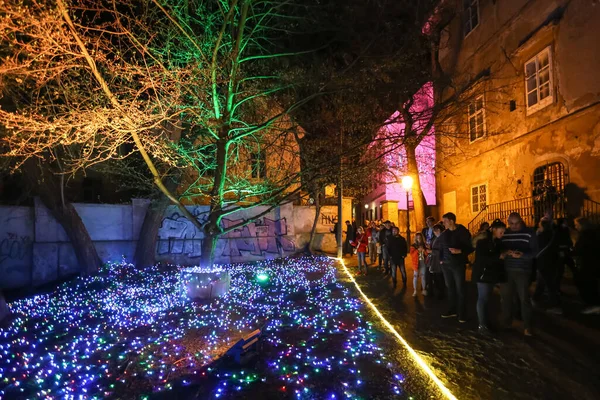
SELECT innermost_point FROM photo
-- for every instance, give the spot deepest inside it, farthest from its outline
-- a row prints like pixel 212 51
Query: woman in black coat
pixel 488 269
pixel 547 263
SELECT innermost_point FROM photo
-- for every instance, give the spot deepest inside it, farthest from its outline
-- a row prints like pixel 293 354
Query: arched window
pixel 554 172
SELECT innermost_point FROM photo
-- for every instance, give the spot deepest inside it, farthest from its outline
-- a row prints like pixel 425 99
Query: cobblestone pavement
pixel 560 362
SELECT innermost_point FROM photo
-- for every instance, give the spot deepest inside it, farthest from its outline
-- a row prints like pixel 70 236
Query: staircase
pixel 526 207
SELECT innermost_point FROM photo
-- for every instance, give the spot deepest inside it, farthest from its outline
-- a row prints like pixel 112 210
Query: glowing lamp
pixel 407 182
pixel 262 277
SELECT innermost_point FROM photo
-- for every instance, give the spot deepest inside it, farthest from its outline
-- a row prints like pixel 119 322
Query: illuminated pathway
pixel 422 364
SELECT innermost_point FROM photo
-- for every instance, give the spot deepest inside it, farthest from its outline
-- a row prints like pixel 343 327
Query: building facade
pixel 528 136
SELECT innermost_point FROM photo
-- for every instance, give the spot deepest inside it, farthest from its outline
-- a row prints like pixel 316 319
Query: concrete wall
pixel 35 250
pixel 325 240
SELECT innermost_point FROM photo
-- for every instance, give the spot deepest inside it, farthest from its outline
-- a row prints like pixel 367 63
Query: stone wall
pixel 520 140
pixel 35 250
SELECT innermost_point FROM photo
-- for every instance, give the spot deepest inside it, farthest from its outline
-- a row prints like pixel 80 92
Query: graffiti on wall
pixel 328 219
pixel 14 248
pixel 178 235
pixel 262 236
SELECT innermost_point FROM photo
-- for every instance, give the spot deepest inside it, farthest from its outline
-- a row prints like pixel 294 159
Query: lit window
pixel 476 119
pixel 471 15
pixel 538 81
pixel 259 164
pixel 478 198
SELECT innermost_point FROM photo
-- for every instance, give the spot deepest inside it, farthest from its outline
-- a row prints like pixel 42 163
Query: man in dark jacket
pixel 384 234
pixel 521 248
pixel 455 248
pixel 349 236
pixel 397 250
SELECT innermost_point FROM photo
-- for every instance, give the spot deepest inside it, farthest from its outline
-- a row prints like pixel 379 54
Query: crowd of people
pixel 509 256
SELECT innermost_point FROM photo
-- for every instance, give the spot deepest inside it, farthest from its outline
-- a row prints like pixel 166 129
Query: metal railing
pixel 531 211
pixel 591 210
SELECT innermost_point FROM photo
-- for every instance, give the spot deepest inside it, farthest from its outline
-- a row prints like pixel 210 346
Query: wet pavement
pixel 561 360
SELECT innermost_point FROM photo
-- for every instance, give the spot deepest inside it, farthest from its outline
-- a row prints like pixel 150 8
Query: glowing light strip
pixel 413 353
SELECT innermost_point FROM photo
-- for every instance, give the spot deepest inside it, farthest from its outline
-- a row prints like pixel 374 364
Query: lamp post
pixel 407 183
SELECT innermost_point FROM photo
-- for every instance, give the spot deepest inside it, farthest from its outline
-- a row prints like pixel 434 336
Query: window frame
pixel 469 9
pixel 550 98
pixel 487 197
pixel 477 112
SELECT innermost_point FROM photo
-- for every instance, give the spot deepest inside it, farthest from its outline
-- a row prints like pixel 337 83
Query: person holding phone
pixel 520 245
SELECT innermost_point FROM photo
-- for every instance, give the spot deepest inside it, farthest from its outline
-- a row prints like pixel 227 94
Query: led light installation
pixel 133 333
pixel 422 364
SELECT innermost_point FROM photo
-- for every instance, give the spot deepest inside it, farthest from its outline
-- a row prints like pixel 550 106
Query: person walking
pixel 456 247
pixel 349 236
pixel 437 284
pixel 419 253
pixel 397 250
pixel 334 230
pixel 586 261
pixel 520 243
pixel 428 236
pixel 361 242
pixel 427 232
pixel 488 269
pixel 373 233
pixel 384 234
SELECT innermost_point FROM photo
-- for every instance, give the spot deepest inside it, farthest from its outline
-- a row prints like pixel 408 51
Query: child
pixel 418 253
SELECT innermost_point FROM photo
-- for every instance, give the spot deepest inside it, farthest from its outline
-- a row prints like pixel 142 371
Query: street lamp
pixel 407 183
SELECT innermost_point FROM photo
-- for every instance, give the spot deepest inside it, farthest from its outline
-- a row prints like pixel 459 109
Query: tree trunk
pixel 84 248
pixel 49 187
pixel 212 228
pixel 145 250
pixel 209 243
pixel 311 241
pixel 417 193
pixel 4 311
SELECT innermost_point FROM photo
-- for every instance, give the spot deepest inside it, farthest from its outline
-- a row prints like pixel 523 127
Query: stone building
pixel 527 133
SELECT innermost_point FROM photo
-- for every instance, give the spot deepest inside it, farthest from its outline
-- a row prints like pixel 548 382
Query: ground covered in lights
pixel 130 333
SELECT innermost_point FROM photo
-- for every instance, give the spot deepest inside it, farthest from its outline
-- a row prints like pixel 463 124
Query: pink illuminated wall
pixel 388 141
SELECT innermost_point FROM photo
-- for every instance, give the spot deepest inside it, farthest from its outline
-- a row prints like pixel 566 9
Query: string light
pixel 130 332
pixel 422 364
